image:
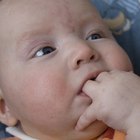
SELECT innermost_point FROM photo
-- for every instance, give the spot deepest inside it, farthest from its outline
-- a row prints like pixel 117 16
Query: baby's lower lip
pixel 81 93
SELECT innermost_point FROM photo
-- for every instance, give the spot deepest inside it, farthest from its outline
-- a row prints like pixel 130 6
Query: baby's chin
pixel 96 129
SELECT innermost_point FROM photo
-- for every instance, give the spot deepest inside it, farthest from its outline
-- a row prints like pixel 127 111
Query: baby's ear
pixel 6 116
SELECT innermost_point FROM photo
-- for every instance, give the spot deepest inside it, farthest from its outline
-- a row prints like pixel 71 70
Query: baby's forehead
pixel 52 8
pixel 47 3
pixel 19 13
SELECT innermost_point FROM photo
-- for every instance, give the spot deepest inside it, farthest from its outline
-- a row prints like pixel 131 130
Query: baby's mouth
pixel 93 79
pixel 91 76
pixel 82 93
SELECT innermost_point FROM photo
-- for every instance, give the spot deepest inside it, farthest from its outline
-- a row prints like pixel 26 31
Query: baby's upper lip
pixel 92 75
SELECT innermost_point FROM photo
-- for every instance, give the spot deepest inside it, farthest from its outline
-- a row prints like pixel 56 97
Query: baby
pixel 49 49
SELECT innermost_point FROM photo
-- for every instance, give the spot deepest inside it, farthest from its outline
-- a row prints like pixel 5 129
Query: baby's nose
pixel 84 54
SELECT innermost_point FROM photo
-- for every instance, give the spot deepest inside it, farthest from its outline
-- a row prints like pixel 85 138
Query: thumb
pixel 86 118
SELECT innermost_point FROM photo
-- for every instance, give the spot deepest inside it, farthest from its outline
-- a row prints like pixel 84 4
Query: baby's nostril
pixel 78 62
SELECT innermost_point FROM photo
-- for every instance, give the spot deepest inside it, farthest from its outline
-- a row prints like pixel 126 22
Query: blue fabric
pixel 3 133
pixel 124 16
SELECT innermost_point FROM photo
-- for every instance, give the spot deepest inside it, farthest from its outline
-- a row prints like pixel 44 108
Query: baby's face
pixel 48 50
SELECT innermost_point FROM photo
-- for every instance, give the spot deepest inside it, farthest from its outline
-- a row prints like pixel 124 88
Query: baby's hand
pixel 115 101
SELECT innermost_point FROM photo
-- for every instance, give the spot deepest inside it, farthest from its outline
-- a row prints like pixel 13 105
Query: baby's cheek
pixel 118 59
pixel 122 62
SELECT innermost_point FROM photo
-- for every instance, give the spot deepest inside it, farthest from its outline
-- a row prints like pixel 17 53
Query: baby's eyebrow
pixel 29 36
pixel 28 40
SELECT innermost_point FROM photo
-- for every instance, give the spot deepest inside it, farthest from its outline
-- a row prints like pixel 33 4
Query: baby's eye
pixel 44 51
pixel 94 36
